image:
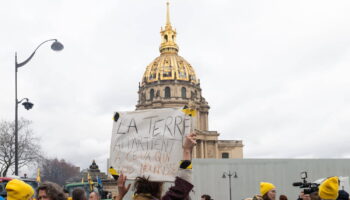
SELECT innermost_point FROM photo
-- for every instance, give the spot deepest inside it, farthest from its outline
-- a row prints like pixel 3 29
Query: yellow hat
pixel 265 187
pixel 18 190
pixel 329 188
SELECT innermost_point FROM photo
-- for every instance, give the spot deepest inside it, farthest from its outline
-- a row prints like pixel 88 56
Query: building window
pixel 225 155
pixel 167 71
pixel 167 74
pixel 151 94
pixel 167 92
pixel 183 92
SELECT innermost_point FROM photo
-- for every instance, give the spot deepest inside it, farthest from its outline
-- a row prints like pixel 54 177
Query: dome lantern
pixel 169 65
pixel 168 36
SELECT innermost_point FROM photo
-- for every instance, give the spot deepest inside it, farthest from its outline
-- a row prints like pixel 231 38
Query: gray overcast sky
pixel 275 73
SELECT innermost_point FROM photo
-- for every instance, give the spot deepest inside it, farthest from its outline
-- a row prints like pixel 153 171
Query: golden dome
pixel 169 65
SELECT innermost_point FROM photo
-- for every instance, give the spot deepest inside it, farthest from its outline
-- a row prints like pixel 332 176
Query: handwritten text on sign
pixel 149 142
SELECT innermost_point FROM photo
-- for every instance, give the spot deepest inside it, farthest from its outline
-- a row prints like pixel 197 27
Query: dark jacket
pixel 179 191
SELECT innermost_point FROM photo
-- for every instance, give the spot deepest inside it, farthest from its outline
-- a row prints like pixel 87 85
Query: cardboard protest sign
pixel 149 142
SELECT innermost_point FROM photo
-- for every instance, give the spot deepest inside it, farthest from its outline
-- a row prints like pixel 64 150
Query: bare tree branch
pixel 29 150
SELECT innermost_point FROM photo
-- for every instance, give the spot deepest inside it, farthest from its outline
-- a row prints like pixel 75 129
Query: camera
pixel 307 186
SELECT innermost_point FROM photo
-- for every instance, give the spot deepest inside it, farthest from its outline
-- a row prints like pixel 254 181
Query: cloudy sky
pixel 275 73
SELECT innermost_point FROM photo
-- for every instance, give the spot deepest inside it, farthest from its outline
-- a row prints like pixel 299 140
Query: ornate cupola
pixel 170 81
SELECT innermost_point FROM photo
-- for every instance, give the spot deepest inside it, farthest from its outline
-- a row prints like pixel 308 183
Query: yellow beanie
pixel 18 190
pixel 265 187
pixel 329 188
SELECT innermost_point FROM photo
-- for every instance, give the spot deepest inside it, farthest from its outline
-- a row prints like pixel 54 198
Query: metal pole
pixel 229 176
pixel 16 119
pixel 56 46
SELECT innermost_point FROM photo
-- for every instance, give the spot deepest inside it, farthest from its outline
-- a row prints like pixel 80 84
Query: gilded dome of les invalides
pixel 170 81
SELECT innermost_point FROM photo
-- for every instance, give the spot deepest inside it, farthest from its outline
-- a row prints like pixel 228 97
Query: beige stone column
pixel 202 149
pixel 217 149
pixel 205 149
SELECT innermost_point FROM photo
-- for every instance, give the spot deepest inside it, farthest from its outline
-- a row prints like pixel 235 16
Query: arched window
pixel 151 94
pixel 167 92
pixel 183 92
pixel 166 38
pixel 225 155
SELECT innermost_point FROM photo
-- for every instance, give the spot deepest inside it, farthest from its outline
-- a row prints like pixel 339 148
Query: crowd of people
pixel 19 190
pixel 145 189
pixel 327 190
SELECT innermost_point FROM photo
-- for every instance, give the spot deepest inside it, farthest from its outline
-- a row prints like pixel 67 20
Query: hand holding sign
pixel 188 145
pixel 190 141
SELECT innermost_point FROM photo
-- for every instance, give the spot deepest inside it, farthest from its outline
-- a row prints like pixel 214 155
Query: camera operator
pixel 310 190
pixel 312 196
pixel 303 196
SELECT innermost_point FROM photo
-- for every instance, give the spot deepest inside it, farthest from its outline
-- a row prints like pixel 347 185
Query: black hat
pixel 343 195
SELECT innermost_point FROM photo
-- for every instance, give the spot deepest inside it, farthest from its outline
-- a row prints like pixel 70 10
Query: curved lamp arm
pixel 58 46
pixel 22 100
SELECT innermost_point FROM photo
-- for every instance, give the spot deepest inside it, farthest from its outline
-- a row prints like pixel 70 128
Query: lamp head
pixel 57 46
pixel 224 175
pixel 28 105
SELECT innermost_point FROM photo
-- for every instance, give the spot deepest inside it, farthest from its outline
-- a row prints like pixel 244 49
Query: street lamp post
pixel 230 174
pixel 56 46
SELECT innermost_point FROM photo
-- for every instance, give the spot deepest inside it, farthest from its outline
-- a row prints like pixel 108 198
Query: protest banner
pixel 149 142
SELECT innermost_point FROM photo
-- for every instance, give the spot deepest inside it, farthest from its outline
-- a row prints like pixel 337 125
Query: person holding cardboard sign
pixel 183 182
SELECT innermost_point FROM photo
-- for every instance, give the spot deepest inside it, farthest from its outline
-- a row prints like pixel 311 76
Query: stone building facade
pixel 170 81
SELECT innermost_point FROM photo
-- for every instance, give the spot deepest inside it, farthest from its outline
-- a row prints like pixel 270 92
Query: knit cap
pixel 18 190
pixel 265 187
pixel 329 188
pixel 343 195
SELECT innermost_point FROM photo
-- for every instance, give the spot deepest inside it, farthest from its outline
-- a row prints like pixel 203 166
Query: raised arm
pixel 183 182
pixel 189 143
pixel 122 189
